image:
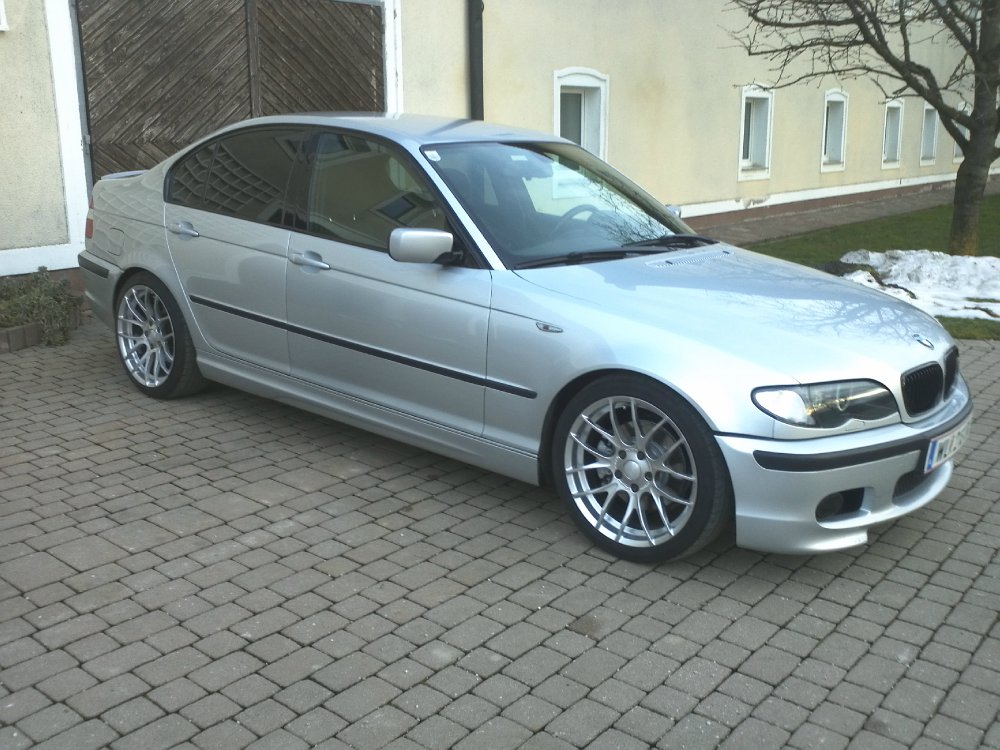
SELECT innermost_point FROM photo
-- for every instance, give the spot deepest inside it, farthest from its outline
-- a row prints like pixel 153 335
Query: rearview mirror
pixel 420 245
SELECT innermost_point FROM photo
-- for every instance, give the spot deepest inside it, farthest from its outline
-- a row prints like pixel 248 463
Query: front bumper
pixel 779 485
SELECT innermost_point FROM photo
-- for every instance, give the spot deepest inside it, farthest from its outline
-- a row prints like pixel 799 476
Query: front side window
pixel 755 133
pixel 360 190
pixel 533 201
pixel 243 174
pixel 892 135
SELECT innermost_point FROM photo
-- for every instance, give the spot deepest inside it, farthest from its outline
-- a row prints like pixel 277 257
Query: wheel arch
pixel 558 404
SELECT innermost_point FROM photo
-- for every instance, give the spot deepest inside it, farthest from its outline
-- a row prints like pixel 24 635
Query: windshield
pixel 534 201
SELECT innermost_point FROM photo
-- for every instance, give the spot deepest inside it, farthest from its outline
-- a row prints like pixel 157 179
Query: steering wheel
pixel 567 217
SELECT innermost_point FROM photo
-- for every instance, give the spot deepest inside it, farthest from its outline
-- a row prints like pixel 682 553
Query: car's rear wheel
pixel 153 340
pixel 640 471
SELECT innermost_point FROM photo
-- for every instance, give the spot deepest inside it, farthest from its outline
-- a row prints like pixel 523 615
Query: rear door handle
pixel 310 260
pixel 184 228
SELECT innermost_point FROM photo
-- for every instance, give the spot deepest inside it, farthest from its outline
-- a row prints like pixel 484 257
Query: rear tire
pixel 154 345
pixel 640 471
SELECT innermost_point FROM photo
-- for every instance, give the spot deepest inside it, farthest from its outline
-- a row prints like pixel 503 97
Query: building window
pixel 929 136
pixel 956 152
pixel 755 133
pixel 834 131
pixel 581 108
pixel 893 133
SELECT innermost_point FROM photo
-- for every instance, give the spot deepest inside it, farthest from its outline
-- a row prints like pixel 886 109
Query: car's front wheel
pixel 153 341
pixel 640 471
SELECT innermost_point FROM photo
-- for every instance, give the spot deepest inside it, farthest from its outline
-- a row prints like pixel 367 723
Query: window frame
pixel 593 86
pixel 893 105
pixel 756 138
pixel 834 99
pixel 928 151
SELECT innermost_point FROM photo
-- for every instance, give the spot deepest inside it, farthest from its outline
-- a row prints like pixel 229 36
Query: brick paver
pixel 225 571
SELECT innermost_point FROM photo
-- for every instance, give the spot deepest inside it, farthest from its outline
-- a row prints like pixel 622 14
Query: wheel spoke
pixel 590 449
pixel 604 509
pixel 595 490
pixel 599 430
pixel 620 439
pixel 663 514
pixel 642 520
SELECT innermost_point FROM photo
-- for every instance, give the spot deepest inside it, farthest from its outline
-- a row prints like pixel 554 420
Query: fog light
pixel 839 504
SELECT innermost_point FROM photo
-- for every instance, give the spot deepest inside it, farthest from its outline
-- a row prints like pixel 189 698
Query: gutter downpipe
pixel 475 17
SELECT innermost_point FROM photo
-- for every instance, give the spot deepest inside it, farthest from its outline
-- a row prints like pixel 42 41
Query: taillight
pixel 88 230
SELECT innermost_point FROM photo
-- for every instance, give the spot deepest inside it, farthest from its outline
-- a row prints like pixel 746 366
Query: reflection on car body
pixel 505 298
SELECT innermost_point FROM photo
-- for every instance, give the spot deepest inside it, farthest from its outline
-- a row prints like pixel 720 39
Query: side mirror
pixel 420 245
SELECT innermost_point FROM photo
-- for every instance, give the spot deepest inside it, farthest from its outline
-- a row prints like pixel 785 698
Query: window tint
pixel 360 191
pixel 242 175
pixel 190 176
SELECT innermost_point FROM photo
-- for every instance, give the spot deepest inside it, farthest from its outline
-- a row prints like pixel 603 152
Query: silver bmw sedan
pixel 507 299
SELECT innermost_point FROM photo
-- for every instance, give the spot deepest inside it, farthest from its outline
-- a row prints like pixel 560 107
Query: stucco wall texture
pixel 32 201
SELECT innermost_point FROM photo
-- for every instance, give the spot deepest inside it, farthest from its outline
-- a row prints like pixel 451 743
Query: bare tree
pixel 897 44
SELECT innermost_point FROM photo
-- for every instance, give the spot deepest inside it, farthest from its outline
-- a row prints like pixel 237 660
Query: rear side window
pixel 360 190
pixel 244 174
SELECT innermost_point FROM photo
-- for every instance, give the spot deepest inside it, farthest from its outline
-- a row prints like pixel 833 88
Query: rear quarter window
pixel 243 174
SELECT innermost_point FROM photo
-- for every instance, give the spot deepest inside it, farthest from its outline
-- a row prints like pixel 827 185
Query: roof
pixel 412 129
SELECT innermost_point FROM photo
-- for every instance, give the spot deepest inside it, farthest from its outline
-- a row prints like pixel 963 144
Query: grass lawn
pixel 921 230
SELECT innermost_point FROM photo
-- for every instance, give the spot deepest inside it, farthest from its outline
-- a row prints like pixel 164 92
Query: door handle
pixel 184 228
pixel 310 261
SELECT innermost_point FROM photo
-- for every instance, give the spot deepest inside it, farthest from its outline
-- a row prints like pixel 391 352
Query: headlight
pixel 827 405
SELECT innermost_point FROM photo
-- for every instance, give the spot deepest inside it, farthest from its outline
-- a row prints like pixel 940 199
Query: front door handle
pixel 184 228
pixel 310 261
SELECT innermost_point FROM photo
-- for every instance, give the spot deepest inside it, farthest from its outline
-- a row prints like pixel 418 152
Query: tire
pixel 640 471
pixel 154 345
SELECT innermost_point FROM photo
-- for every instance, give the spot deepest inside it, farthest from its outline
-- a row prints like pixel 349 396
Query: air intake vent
pixel 687 260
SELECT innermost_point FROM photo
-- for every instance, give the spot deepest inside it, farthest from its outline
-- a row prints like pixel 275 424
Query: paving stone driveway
pixel 224 571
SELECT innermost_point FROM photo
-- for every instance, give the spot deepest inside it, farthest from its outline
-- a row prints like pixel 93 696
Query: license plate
pixel 945 447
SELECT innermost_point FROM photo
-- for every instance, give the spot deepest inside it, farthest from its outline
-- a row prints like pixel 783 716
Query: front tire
pixel 154 345
pixel 640 471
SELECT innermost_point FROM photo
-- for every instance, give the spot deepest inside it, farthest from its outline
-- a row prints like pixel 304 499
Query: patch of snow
pixel 937 283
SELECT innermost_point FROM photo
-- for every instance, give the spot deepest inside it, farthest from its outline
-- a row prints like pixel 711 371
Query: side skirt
pixel 366 415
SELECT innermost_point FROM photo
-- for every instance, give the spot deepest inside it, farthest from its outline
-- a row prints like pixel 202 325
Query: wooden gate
pixel 160 74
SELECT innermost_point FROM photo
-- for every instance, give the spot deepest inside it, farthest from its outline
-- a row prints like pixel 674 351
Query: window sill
pixel 754 173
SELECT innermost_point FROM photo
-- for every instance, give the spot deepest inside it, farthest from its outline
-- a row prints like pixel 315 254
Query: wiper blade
pixel 675 241
pixel 569 259
pixel 587 256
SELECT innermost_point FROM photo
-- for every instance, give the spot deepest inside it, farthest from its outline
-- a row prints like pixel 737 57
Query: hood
pixel 804 323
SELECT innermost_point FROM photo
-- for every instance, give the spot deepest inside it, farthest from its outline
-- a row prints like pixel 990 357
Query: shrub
pixel 38 298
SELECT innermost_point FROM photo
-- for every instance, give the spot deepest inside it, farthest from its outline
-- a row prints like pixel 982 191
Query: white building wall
pixel 672 80
pixel 43 190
